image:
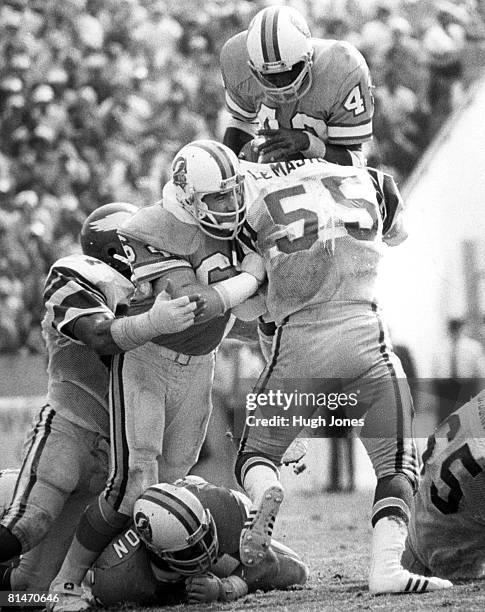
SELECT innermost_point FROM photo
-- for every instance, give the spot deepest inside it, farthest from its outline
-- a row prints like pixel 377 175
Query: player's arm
pixel 235 139
pixel 391 205
pixel 349 124
pixel 281 569
pixel 108 336
pixel 222 296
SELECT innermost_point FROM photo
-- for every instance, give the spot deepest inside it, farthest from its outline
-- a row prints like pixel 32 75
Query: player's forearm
pixel 349 155
pixel 96 335
pixel 235 139
pixel 222 296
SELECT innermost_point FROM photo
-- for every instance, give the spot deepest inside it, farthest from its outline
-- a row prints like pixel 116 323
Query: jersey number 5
pixel 305 224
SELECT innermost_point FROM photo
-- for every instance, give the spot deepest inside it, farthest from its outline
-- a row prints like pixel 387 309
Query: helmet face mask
pixel 209 185
pixel 279 43
pixel 174 525
pixel 199 555
pixel 99 238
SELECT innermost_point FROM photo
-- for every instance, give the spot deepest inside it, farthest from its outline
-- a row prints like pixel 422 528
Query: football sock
pixel 257 475
pixel 9 545
pixel 95 531
pixel 386 573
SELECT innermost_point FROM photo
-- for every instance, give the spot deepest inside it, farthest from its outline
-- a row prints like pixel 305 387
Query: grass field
pixel 332 533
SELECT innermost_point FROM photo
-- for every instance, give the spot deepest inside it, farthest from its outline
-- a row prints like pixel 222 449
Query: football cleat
pixel 256 534
pixel 402 581
pixel 69 597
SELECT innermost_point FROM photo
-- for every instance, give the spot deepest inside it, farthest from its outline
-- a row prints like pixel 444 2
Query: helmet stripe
pixel 269 35
pixel 220 157
pixel 184 519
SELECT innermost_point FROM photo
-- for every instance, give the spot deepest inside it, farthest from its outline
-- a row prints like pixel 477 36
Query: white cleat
pixel 258 528
pixel 402 581
pixel 69 597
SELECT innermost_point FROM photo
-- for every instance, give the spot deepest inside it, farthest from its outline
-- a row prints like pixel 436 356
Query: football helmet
pixel 174 525
pixel 279 41
pixel 207 168
pixel 99 238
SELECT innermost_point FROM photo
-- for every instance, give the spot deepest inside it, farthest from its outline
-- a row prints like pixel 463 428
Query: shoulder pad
pixel 159 228
pixel 92 269
pixel 234 59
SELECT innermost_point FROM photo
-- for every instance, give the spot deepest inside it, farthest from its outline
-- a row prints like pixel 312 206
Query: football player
pixel 447 523
pixel 191 531
pixel 309 97
pixel 323 229
pixel 65 459
pixel 162 391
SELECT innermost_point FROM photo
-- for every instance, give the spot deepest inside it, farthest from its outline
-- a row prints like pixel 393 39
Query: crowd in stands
pixel 97 95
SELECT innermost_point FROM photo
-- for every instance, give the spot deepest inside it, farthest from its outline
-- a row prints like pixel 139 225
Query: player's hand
pixel 282 143
pixel 203 588
pixel 254 264
pixel 169 315
pixel 295 453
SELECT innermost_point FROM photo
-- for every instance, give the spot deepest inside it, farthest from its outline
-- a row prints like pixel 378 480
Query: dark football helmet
pixel 99 238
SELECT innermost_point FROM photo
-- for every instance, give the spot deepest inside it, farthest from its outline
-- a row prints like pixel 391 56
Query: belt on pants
pixel 181 358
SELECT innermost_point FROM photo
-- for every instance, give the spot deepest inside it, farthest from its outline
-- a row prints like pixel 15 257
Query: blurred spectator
pixel 444 42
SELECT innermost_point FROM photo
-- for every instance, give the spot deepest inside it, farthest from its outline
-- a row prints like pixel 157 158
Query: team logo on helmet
pixel 179 173
pixel 112 221
pixel 143 527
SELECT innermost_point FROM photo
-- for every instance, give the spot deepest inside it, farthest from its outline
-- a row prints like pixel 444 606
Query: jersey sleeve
pixel 350 117
pixel 238 83
pixel 70 294
pixel 391 207
pixel 148 262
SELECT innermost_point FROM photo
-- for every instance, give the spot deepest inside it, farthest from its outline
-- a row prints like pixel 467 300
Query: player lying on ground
pixel 161 392
pixel 447 527
pixel 191 530
pixel 192 553
pixel 65 461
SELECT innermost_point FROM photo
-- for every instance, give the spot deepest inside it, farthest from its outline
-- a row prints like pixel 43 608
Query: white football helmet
pixel 173 524
pixel 206 167
pixel 279 41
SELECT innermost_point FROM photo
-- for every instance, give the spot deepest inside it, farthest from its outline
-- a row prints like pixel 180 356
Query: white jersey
pixel 448 519
pixel 322 229
pixel 78 286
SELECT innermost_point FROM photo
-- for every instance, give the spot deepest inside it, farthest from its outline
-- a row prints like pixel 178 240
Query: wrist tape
pixel 235 290
pixel 131 332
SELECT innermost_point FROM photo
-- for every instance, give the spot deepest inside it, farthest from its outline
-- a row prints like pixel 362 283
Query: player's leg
pixel 137 390
pixel 387 437
pixel 187 413
pixel 263 444
pixel 56 454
